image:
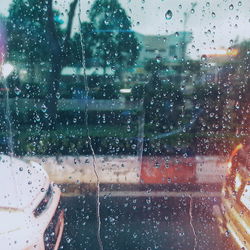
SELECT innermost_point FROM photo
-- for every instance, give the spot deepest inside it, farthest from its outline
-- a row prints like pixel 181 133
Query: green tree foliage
pixel 27 35
pixel 35 36
pixel 74 54
pixel 115 45
pixel 153 66
pixel 162 104
pixel 211 99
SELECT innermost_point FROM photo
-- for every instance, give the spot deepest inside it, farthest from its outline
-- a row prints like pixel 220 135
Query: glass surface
pixel 118 121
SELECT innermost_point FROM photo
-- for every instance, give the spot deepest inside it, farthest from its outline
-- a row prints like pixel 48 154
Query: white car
pixel 29 207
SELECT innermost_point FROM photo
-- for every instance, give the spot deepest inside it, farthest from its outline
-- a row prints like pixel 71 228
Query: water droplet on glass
pixel 168 15
pixel 207 4
pixel 192 11
pixel 44 108
pixel 213 14
pixel 227 233
pixel 239 3
pixel 203 58
pixel 17 91
pixel 181 234
pixel 37 118
pixel 231 7
pixel 157 165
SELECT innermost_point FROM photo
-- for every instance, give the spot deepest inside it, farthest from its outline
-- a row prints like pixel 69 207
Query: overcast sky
pixel 209 30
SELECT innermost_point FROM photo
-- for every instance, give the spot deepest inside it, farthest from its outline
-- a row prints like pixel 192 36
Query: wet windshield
pixel 126 113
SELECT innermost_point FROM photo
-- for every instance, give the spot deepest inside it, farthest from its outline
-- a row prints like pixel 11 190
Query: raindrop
pixel 68 240
pixel 239 3
pixel 128 128
pixel 181 234
pixel 134 235
pixel 44 108
pixel 227 233
pixel 203 58
pixel 37 118
pixel 17 91
pixel 213 14
pixel 207 4
pixel 192 11
pixel 157 164
pixel 231 7
pixel 168 15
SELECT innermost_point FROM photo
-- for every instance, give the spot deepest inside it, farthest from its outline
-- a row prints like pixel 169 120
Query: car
pixel 30 212
pixel 233 212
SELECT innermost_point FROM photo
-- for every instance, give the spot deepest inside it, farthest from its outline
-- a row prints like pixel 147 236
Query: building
pixel 171 48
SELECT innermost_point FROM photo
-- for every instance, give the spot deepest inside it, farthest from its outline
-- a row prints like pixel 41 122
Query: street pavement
pixel 146 223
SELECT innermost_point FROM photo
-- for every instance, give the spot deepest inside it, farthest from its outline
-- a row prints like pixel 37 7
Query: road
pixel 144 223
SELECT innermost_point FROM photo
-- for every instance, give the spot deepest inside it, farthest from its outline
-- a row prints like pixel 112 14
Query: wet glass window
pixel 124 124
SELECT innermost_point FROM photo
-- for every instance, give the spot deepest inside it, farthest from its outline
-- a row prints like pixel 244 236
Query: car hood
pixel 22 183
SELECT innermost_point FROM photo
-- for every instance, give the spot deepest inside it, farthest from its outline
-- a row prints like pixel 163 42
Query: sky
pixel 214 24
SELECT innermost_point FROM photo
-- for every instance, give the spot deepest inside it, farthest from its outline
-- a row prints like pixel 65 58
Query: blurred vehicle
pixel 233 214
pixel 30 214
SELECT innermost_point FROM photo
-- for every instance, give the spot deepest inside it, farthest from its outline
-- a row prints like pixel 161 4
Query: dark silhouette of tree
pixel 115 45
pixel 35 36
pixel 162 104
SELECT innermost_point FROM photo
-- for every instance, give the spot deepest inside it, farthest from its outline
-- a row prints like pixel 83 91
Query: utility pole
pixel 186 17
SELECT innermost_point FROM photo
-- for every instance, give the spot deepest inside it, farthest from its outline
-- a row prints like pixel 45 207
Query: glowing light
pixel 245 198
pixel 7 68
pixel 234 152
pixel 232 52
pixel 125 91
pixel 235 236
pixel 221 52
pixel 237 182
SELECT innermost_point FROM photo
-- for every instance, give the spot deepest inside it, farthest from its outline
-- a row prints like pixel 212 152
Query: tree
pixel 26 32
pixel 35 36
pixel 162 104
pixel 74 55
pixel 154 66
pixel 115 43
